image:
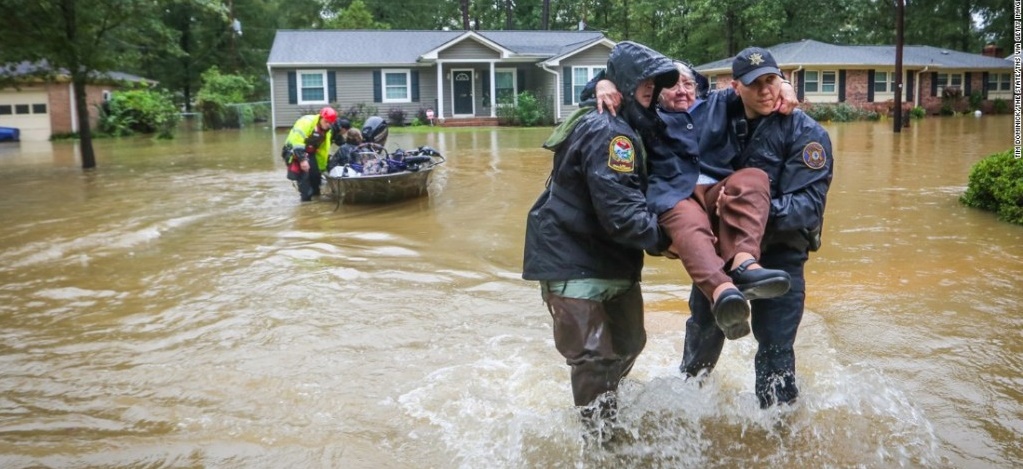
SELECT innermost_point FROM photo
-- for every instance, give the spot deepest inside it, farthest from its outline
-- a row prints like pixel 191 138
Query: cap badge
pixel 756 59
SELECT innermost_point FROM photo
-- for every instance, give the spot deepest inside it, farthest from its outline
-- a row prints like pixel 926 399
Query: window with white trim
pixel 999 82
pixel 949 80
pixel 822 82
pixel 504 86
pixel 828 82
pixel 580 77
pixel 397 86
pixel 312 87
pixel 883 82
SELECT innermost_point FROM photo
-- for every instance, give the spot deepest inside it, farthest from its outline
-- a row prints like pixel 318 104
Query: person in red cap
pixel 310 138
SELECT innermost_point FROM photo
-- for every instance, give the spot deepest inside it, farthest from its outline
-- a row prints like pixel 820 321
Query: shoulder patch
pixel 814 155
pixel 621 155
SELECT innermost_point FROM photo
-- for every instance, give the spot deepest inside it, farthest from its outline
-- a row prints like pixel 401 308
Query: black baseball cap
pixel 753 63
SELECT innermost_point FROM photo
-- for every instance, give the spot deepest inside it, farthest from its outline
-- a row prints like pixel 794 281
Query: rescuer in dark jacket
pixel 587 232
pixel 716 225
pixel 795 152
pixel 740 130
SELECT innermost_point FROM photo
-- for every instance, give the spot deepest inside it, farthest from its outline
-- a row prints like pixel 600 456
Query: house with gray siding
pixel 864 76
pixel 457 75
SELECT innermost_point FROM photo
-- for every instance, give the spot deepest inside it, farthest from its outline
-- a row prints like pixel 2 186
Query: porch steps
pixel 470 122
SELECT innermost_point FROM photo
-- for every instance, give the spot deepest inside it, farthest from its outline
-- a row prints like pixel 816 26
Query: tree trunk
pixel 465 14
pixel 84 129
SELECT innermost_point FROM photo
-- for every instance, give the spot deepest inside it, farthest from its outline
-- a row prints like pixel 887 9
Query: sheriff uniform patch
pixel 814 155
pixel 621 155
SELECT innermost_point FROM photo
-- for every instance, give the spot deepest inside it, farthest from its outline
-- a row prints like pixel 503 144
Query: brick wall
pixel 856 88
pixel 61 107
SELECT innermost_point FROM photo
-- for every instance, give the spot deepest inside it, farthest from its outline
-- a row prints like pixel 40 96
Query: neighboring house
pixel 41 100
pixel 864 76
pixel 462 76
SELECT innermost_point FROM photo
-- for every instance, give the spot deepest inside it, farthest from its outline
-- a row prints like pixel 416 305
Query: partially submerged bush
pixel 841 112
pixel 142 111
pixel 218 96
pixel 996 185
pixel 531 110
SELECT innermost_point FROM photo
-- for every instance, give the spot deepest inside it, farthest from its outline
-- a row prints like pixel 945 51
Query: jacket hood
pixel 631 62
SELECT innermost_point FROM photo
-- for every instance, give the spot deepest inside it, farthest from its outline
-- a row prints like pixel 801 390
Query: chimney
pixel 991 50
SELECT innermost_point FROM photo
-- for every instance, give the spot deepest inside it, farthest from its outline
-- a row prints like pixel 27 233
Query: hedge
pixel 996 185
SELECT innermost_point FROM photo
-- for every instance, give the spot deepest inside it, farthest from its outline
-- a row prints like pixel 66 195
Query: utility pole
pixel 545 25
pixel 900 11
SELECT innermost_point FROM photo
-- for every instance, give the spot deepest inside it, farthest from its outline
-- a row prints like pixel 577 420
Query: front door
pixel 462 85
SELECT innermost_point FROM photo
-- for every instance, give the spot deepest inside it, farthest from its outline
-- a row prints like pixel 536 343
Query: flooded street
pixel 178 307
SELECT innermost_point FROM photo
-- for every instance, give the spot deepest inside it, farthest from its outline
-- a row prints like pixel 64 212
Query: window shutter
pixel 984 77
pixel 800 94
pixel 415 86
pixel 520 78
pixel 292 88
pixel 934 83
pixel 841 86
pixel 331 87
pixel 967 86
pixel 870 86
pixel 909 87
pixel 378 92
pixel 566 85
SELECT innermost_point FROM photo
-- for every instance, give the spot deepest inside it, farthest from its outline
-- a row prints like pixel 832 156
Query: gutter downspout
pixel 794 72
pixel 916 86
pixel 71 106
pixel 273 102
pixel 557 91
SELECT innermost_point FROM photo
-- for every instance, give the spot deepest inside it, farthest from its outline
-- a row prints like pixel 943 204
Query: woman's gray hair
pixel 684 70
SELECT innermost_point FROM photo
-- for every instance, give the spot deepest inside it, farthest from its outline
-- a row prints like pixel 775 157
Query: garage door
pixel 26 109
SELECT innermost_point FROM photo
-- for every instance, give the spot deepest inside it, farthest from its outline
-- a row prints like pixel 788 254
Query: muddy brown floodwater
pixel 178 307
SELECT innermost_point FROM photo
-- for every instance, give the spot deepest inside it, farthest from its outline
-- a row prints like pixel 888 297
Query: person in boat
pixel 310 139
pixel 341 128
pixel 344 154
pixel 587 232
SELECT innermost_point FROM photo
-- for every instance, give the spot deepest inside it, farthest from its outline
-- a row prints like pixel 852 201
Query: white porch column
pixel 493 86
pixel 440 89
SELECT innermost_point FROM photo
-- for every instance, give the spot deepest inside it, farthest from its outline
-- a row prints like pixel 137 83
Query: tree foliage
pixel 81 38
pixel 355 16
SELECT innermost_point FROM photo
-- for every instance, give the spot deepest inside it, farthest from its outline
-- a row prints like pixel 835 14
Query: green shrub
pixel 976 98
pixel 952 101
pixel 215 99
pixel 841 112
pixel 1001 106
pixel 530 111
pixel 357 114
pixel 396 116
pixel 143 111
pixel 996 185
pixel 918 112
